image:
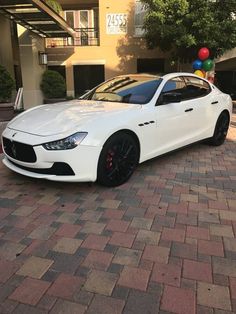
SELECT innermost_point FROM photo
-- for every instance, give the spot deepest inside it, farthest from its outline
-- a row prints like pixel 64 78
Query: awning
pixel 36 16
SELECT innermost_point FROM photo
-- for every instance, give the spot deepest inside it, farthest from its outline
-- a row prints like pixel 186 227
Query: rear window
pixel 196 87
pixel 127 89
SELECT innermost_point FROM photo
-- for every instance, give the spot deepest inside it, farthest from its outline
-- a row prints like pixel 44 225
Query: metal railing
pixel 83 37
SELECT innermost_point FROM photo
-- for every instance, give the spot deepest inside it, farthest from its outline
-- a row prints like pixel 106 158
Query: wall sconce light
pixel 43 58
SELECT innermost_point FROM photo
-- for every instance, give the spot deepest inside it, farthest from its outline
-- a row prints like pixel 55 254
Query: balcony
pixel 83 37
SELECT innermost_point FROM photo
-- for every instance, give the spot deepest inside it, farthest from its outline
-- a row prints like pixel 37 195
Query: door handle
pixel 189 109
pixel 214 102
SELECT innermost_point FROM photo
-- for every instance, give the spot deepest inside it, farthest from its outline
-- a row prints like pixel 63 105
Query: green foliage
pixel 54 5
pixel 183 26
pixel 53 84
pixel 6 85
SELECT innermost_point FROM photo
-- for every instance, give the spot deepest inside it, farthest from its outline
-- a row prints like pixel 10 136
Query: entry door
pixel 87 76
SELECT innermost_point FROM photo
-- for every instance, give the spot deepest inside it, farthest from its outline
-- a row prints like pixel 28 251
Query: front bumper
pixel 82 161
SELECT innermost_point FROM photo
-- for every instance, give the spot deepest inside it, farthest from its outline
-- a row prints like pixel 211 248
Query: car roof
pixel 174 74
pixel 141 75
pixel 164 76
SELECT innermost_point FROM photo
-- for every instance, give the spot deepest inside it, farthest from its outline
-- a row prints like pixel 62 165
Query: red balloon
pixel 203 53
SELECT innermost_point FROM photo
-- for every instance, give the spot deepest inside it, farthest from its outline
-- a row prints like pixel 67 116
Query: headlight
pixel 66 143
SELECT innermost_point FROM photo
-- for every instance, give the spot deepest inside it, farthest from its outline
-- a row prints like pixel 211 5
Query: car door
pixel 200 111
pixel 173 124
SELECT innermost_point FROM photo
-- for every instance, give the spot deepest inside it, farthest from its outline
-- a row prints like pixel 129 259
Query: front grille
pixel 58 168
pixel 19 151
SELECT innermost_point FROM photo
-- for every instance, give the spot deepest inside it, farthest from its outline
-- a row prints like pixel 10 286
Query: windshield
pixel 135 89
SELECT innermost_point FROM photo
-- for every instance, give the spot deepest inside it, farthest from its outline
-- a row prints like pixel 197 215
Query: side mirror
pixel 171 97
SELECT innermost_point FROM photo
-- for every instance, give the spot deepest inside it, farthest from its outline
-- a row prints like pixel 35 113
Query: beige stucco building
pixel 90 41
pixel 107 43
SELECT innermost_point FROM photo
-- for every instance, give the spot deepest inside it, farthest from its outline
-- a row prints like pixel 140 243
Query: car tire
pixel 221 130
pixel 118 159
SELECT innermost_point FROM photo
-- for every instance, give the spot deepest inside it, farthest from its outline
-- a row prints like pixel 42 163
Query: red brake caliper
pixel 109 160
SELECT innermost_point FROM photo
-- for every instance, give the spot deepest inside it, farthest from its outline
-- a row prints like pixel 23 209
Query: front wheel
pixel 221 130
pixel 118 160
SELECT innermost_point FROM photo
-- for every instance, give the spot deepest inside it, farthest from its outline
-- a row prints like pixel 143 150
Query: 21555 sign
pixel 116 23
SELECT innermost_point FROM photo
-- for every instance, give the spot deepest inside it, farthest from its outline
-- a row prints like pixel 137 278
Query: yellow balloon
pixel 199 73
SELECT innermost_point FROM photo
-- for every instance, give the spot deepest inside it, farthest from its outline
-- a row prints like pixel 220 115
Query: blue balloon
pixel 197 64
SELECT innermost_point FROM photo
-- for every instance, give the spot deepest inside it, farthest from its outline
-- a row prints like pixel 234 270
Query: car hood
pixel 47 120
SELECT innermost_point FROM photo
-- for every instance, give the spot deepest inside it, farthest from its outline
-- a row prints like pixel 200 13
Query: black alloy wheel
pixel 118 160
pixel 221 129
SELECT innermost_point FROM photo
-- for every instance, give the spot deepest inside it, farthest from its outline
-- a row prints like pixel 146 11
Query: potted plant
pixel 53 87
pixel 6 87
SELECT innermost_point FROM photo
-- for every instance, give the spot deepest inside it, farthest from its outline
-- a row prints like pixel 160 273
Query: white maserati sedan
pixel 124 121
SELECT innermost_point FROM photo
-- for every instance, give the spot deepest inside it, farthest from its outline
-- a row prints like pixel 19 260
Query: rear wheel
pixel 221 130
pixel 118 160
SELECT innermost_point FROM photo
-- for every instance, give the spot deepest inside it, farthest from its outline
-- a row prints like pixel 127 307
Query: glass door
pixel 83 25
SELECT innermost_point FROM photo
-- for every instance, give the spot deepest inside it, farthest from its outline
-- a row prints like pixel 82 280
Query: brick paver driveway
pixel 162 243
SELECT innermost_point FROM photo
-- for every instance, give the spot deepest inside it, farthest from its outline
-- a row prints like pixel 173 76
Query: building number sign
pixel 116 23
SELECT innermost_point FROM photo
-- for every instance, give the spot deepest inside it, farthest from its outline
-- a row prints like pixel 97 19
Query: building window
pixel 80 18
pixel 83 19
pixel 69 16
pixel 139 14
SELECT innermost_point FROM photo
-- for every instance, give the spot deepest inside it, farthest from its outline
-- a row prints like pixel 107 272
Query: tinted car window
pixel 196 87
pixel 175 85
pixel 127 89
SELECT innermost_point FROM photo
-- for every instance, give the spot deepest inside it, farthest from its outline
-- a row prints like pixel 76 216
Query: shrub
pixel 53 84
pixel 6 85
